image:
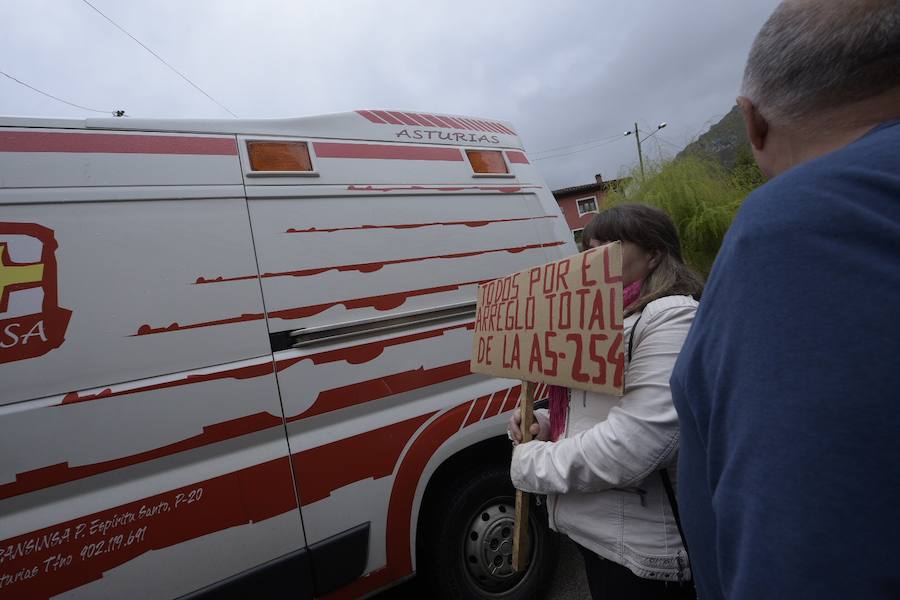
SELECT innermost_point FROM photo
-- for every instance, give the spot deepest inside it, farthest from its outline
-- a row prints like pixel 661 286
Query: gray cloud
pixel 562 72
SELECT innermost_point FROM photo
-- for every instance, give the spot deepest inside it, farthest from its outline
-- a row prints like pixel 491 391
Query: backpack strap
pixel 631 336
pixel 673 503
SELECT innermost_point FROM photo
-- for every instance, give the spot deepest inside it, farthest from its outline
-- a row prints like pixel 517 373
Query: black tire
pixel 470 532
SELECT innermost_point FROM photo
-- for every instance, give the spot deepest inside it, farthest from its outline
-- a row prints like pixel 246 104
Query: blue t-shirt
pixel 788 388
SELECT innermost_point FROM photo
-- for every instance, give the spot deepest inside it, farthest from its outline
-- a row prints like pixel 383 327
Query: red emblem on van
pixel 31 320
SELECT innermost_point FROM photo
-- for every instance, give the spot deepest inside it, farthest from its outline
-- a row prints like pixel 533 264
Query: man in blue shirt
pixel 788 386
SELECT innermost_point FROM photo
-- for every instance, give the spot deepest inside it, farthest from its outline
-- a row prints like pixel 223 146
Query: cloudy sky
pixel 564 72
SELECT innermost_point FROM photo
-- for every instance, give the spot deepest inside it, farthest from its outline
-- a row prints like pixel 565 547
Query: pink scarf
pixel 631 293
pixel 559 396
pixel 559 407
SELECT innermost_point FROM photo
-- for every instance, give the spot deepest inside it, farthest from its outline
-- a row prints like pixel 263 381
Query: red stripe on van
pixel 371 267
pixel 114 143
pixel 417 225
pixel 455 122
pixel 387 117
pixel 354 355
pixel 431 120
pixel 402 118
pixel 147 329
pixel 249 372
pixel 504 189
pixel 441 121
pixel 327 401
pixel 167 519
pixel 376 389
pixel 477 410
pixel 371 117
pixel 501 127
pixel 495 126
pixel 418 119
pixel 363 353
pixel 44 477
pixel 399 560
pixel 103 540
pixel 491 126
pixel 504 399
pixel 469 124
pixel 380 302
pixel 458 122
pixel 479 125
pixel 323 469
pixel 385 151
pixel 383 117
pixel 512 399
pixel 425 120
pixel 495 405
pixel 515 156
pixel 411 468
pixel 487 126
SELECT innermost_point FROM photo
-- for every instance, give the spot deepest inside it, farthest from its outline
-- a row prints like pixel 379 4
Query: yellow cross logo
pixel 14 275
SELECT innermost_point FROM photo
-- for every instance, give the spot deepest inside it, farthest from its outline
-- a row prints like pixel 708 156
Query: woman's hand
pixel 540 428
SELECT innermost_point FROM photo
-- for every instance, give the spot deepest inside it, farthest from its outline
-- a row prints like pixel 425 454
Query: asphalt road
pixel 569 582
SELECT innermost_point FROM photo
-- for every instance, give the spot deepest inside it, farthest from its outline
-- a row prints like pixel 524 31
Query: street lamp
pixel 637 138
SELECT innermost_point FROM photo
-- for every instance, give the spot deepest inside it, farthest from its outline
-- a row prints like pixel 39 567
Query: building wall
pixel 570 209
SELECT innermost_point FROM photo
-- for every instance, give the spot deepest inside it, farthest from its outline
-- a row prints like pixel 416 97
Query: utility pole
pixel 637 138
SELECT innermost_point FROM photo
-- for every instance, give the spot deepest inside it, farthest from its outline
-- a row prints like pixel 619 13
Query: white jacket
pixel 601 479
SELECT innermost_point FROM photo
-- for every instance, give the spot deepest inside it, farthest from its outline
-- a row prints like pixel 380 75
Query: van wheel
pixel 469 553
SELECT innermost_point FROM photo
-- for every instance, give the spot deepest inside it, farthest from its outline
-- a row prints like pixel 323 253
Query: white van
pixel 234 355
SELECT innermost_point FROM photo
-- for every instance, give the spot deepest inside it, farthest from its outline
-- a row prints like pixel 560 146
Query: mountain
pixel 725 141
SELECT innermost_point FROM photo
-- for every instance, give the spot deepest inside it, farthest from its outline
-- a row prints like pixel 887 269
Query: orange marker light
pixel 487 161
pixel 279 156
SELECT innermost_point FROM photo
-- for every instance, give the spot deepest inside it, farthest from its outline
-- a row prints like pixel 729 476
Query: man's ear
pixel 757 126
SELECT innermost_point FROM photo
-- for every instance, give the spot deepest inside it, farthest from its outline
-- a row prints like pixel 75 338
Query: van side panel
pixel 133 442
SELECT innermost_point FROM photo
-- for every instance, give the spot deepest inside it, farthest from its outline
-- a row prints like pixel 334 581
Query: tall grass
pixel 700 196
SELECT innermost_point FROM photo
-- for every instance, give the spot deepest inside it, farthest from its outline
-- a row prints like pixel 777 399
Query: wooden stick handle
pixel 520 533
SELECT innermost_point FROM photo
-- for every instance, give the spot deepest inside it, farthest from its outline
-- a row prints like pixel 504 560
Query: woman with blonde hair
pixel 607 463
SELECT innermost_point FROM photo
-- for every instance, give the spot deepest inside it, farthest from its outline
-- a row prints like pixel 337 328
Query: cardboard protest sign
pixel 560 323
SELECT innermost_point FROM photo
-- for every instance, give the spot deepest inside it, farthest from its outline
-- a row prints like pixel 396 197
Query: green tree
pixel 745 175
pixel 700 196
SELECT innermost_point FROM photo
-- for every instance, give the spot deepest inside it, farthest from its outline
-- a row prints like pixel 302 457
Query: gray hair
pixel 815 55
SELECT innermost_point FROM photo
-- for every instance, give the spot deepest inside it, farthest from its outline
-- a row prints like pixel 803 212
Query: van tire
pixel 474 517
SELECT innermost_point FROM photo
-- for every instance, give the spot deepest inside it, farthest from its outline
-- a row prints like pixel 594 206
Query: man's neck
pixel 832 130
pixel 799 148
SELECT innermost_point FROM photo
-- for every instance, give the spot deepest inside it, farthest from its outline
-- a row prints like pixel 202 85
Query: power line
pixel 58 99
pixel 668 143
pixel 604 139
pixel 158 57
pixel 607 143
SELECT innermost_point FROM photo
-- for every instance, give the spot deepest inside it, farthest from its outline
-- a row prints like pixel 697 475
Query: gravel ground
pixel 569 583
